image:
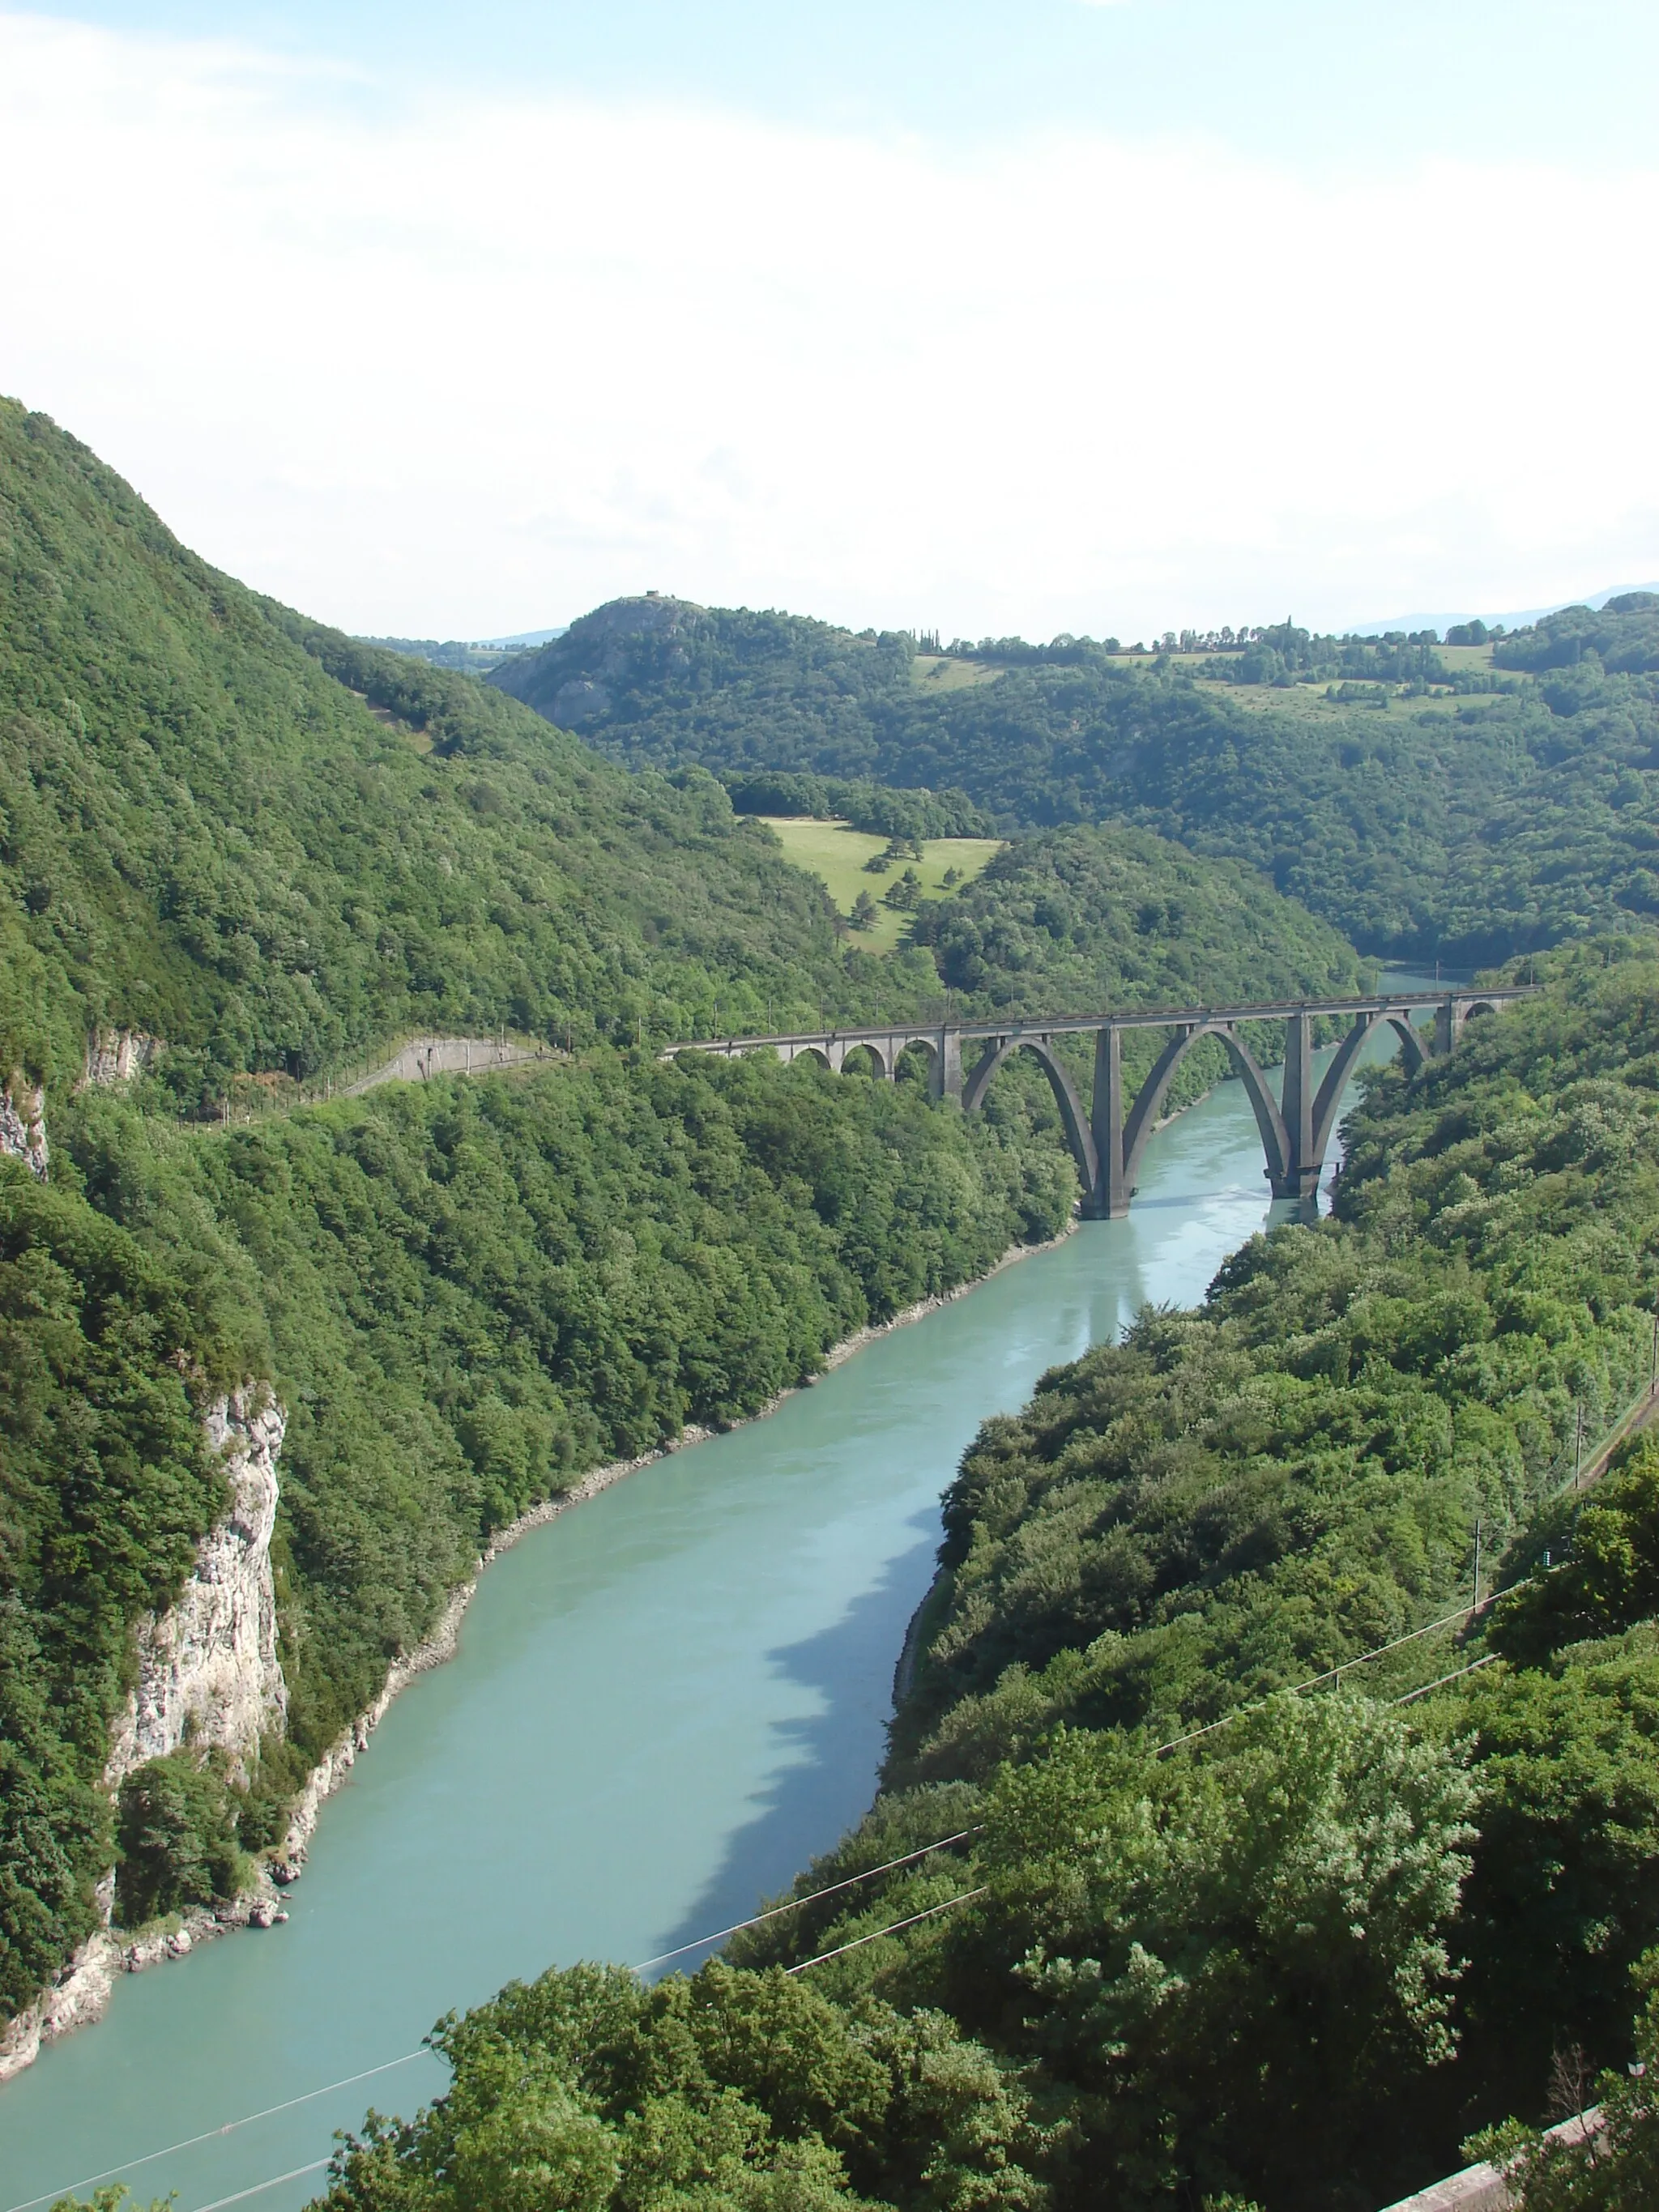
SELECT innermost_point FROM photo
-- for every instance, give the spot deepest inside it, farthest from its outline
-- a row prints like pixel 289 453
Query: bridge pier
pixel 1109 1137
pixel 1295 1128
pixel 1109 1199
pixel 1298 1175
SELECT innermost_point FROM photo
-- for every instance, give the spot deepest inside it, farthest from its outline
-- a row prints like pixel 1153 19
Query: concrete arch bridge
pixel 1108 1137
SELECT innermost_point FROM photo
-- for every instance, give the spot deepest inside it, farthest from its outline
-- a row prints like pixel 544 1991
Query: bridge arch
pixel 1142 1116
pixel 789 1054
pixel 1075 1121
pixel 930 1045
pixel 881 1066
pixel 1413 1050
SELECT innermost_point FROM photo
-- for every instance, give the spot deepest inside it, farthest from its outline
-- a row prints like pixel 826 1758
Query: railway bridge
pixel 1109 1137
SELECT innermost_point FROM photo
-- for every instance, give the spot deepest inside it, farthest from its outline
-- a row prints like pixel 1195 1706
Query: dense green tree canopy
pixel 273 845
pixel 1084 917
pixel 105 1481
pixel 270 846
pixel 1508 817
pixel 465 1294
pixel 1236 1502
pixel 1623 634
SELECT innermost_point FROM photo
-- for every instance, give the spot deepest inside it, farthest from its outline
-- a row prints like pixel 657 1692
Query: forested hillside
pixel 1505 812
pixel 465 1294
pixel 269 845
pixel 1084 917
pixel 265 845
pixel 1209 1935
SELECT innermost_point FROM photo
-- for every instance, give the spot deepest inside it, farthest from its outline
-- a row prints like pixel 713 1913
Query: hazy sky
pixel 1008 314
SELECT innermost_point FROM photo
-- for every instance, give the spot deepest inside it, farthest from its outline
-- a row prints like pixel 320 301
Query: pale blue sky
pixel 999 315
pixel 1314 82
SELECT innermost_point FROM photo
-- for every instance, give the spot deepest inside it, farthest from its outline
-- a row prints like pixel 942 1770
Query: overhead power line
pixel 776 1911
pixel 347 2081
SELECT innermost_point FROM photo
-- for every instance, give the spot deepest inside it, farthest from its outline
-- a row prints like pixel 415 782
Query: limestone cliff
pixel 23 1123
pixel 208 1668
pixel 208 1672
pixel 117 1055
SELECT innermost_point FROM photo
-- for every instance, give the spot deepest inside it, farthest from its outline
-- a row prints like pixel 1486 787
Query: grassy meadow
pixel 837 856
pixel 943 671
pixel 1308 701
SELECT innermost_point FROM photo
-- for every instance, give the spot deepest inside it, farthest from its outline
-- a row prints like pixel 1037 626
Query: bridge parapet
pixel 1107 1140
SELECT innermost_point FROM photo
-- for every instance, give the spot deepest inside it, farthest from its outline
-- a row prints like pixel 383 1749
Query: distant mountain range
pixel 525 637
pixel 1514 619
pixel 459 652
pixel 472 656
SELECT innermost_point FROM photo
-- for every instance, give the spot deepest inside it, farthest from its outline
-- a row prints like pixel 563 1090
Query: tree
pixel 1564 1894
pixel 1210 1946
pixel 1613 2169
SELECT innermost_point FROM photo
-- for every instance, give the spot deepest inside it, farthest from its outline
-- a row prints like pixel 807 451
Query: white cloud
pixel 487 363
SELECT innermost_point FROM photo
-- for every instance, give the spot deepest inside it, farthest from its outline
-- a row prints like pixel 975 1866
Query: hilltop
pixel 1469 801
pixel 232 828
pixel 229 827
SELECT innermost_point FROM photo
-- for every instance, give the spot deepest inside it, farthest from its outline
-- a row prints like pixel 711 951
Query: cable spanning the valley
pixel 1469 1612
pixel 347 2081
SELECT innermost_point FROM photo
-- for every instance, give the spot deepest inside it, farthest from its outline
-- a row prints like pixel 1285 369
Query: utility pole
pixel 1578 1449
pixel 1653 1373
pixel 1475 1608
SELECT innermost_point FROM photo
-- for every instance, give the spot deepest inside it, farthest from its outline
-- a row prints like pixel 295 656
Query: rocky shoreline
pixel 81 1994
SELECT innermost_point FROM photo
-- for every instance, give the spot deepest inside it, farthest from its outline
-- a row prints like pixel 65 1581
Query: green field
pixel 1466 656
pixel 1307 701
pixel 835 855
pixel 938 672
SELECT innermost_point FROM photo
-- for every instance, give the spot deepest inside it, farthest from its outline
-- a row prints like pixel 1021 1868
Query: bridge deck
pixel 1140 1018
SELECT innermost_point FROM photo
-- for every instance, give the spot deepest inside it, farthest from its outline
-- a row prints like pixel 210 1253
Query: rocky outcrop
pixel 575 680
pixel 208 1673
pixel 117 1055
pixel 207 1669
pixel 23 1123
pixel 81 1996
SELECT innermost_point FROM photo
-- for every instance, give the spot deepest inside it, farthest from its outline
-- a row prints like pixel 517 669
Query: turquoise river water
pixel 665 1701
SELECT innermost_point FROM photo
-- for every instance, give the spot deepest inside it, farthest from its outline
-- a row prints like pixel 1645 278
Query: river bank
pixel 441 1645
pixel 81 1996
pixel 660 1710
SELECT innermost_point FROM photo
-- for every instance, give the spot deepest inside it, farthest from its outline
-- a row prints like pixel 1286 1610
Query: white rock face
pixel 208 1673
pixel 117 1055
pixel 23 1124
pixel 207 1669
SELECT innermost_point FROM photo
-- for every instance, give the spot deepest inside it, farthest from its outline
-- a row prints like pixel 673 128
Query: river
pixel 665 1701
